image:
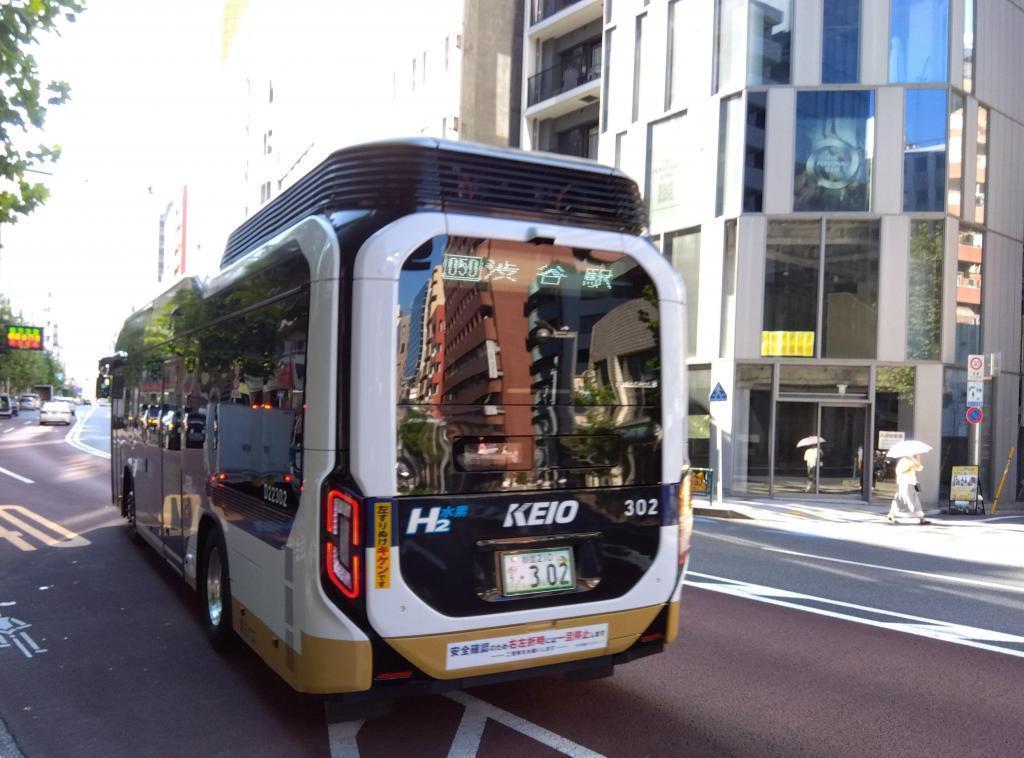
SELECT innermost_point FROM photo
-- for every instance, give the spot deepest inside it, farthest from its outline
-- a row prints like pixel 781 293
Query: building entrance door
pixel 819 449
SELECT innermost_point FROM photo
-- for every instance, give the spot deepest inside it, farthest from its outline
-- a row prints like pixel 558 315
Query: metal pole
pixel 1002 480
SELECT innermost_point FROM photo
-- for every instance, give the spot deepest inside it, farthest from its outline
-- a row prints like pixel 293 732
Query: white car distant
pixel 55 412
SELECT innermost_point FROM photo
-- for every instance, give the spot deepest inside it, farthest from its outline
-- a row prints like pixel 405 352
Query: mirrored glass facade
pixel 850 307
pixel 791 276
pixel 753 43
pixel 834 139
pixel 969 258
pixel 924 290
pixel 981 165
pixel 924 149
pixel 919 41
pixel 683 249
pixel 840 42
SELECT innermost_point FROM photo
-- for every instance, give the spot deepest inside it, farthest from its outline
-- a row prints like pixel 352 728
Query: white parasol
pixel 808 441
pixel 907 448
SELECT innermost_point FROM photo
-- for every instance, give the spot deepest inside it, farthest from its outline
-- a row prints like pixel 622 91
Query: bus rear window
pixel 524 365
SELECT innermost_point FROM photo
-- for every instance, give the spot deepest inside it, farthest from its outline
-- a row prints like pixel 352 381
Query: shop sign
pixel 887 439
pixel 963 485
pixel 787 344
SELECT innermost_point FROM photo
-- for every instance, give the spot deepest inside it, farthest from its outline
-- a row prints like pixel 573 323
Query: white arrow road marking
pixel 923 627
pixel 342 738
pixel 8 431
pixel 483 711
pixel 19 477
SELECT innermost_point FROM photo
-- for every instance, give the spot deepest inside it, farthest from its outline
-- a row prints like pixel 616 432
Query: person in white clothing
pixel 906 490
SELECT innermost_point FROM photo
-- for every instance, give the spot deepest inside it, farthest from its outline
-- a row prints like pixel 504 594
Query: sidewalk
pixel 833 511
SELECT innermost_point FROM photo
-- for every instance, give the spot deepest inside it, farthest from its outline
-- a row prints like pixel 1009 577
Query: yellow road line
pixel 55 528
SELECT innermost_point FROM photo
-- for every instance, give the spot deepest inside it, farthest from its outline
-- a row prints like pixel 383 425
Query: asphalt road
pixel 780 653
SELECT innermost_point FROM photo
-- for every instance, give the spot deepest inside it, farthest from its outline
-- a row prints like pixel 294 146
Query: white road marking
pixel 26 423
pixel 74 436
pixel 342 739
pixel 917 625
pixel 521 725
pixel 8 431
pixel 65 537
pixel 943 577
pixel 19 477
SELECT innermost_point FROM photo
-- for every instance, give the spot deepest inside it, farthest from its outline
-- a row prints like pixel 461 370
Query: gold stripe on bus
pixel 382 545
pixel 322 667
pixel 429 652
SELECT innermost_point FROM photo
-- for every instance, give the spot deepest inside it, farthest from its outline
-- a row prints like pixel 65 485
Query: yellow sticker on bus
pixel 382 545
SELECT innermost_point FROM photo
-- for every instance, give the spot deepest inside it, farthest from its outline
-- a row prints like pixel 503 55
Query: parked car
pixel 8 406
pixel 56 412
pixel 30 402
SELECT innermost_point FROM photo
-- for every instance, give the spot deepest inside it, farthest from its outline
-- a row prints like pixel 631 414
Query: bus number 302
pixel 642 507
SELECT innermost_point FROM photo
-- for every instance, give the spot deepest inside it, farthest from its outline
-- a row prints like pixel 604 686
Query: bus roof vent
pixel 401 177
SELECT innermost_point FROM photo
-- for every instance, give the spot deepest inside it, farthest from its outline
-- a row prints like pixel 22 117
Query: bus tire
pixel 215 592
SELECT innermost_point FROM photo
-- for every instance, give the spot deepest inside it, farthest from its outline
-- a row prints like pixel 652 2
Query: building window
pixel 840 42
pixel 919 41
pixel 683 249
pixel 924 291
pixel 970 27
pixel 268 146
pixel 753 156
pixel 424 73
pixel 606 82
pixel 730 47
pixel 730 160
pixel 413 74
pixel 580 141
pixel 981 167
pixel 762 55
pixel 924 150
pixel 264 192
pixel 725 338
pixel 699 416
pixel 969 259
pixel 769 32
pixel 638 65
pixel 833 150
pixel 270 93
pixel 955 151
pixel 791 284
pixel 619 139
pixel 676 68
pixel 850 298
pixel 751 429
pixel 842 264
pixel 447 45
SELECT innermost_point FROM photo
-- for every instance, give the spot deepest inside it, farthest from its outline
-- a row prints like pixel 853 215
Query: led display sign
pixel 17 337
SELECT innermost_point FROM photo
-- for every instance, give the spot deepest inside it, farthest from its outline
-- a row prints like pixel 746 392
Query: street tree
pixel 24 100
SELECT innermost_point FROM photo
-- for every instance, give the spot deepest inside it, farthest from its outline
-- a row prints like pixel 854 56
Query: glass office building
pixel 840 184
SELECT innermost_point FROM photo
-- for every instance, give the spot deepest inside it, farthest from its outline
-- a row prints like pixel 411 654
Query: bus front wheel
pixel 215 591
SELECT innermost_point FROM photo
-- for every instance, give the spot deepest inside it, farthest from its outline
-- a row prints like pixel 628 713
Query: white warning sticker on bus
pixel 518 647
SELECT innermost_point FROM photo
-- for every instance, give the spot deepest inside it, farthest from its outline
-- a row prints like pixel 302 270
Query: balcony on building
pixel 554 18
pixel 574 82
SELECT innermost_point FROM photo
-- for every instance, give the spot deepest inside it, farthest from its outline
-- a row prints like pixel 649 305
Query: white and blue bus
pixel 425 428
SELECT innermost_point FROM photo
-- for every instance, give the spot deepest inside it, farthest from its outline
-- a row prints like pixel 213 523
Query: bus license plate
pixel 526 571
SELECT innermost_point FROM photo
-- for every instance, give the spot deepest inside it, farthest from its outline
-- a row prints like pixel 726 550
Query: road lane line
pixel 919 626
pixel 8 431
pixel 26 423
pixel 19 477
pixel 73 437
pixel 943 577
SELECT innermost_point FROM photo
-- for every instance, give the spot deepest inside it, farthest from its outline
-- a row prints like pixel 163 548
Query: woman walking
pixel 906 490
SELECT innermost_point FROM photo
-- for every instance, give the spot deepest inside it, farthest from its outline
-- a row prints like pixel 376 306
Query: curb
pixel 719 512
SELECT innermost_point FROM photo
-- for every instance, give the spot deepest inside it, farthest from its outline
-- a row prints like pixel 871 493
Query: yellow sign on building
pixel 799 344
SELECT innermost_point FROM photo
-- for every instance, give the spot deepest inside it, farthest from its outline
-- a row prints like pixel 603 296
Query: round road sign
pixel 975 415
pixel 976 363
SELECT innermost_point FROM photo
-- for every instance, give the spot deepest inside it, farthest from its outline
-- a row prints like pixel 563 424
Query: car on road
pixel 8 406
pixel 65 399
pixel 30 402
pixel 55 412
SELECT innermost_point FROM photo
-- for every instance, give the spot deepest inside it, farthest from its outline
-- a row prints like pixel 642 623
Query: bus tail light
pixel 342 561
pixel 685 516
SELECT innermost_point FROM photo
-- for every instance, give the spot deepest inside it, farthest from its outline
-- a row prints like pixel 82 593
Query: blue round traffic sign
pixel 975 415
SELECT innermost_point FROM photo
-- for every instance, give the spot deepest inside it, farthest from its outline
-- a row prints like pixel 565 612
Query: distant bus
pixel 425 428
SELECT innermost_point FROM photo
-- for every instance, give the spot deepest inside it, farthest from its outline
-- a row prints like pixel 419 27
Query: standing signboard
pixel 964 493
